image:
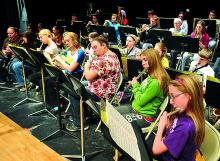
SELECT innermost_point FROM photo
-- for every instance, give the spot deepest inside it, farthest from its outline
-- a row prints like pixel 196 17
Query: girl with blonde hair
pixel 51 50
pixel 162 50
pixel 184 131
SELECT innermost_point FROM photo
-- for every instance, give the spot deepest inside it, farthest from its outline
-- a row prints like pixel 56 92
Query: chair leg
pixel 217 124
pixel 117 155
pixel 97 128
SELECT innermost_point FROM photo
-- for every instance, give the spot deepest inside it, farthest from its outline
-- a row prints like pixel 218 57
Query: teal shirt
pixel 148 97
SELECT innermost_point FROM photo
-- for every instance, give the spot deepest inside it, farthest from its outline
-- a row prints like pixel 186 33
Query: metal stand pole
pixel 61 128
pixel 26 91
pixel 83 155
pixel 44 97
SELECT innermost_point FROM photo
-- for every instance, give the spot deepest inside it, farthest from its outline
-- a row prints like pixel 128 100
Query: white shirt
pixel 204 71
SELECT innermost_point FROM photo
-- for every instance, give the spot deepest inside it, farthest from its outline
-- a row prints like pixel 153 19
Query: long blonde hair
pixel 156 69
pixel 190 84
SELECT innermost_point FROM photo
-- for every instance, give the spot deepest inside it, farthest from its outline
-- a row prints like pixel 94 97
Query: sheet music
pixel 122 132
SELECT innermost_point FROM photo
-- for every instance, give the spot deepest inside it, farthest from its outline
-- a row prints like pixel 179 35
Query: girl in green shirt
pixel 150 93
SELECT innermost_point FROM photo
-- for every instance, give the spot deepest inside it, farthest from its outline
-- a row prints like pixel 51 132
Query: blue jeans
pixel 216 66
pixel 16 68
pixel 173 58
pixel 75 103
pixel 212 43
pixel 186 57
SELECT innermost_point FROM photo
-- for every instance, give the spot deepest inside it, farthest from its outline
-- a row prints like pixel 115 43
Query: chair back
pixel 103 111
pixel 150 128
pixel 210 147
pixel 120 79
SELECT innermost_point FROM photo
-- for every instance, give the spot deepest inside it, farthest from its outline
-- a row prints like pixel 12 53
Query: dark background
pixel 47 11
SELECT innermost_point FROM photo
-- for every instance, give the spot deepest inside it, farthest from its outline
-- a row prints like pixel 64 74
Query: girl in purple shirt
pixel 184 131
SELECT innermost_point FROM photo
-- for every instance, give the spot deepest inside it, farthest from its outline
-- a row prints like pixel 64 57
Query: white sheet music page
pixel 122 132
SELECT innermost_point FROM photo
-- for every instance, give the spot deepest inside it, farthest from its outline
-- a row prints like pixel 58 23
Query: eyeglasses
pixel 175 96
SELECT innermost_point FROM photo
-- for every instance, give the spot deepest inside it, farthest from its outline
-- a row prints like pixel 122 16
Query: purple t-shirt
pixel 180 140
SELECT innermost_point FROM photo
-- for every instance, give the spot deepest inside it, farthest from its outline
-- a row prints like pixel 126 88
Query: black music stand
pixel 58 76
pixel 173 73
pixel 26 58
pixel 159 35
pixel 124 31
pixel 40 59
pixel 182 44
pixel 62 23
pixel 134 67
pixel 78 27
pixel 139 21
pixel 105 30
pixel 166 23
pixel 212 93
pixel 75 88
pixel 118 53
pixel 2 65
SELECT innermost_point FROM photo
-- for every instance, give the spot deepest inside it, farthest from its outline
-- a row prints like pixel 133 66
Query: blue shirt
pixel 77 57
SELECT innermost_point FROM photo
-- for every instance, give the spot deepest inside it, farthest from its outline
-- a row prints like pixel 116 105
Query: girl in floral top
pixel 103 71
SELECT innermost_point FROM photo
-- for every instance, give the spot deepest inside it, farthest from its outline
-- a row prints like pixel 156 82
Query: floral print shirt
pixel 107 66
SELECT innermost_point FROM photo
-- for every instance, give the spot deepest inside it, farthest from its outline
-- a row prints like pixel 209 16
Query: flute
pixel 177 110
pixel 139 75
pixel 40 48
pixel 120 94
pixel 155 123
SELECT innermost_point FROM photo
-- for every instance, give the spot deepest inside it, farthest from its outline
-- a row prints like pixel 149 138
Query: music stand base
pixel 24 100
pixel 41 111
pixel 59 130
pixel 83 156
pixel 6 88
